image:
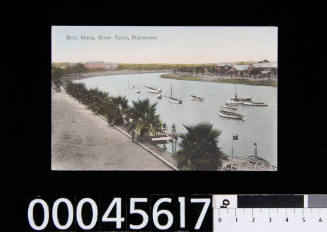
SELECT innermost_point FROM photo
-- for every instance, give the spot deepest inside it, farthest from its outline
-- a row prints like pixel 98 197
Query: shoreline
pixel 169 75
pixel 222 79
pixel 109 73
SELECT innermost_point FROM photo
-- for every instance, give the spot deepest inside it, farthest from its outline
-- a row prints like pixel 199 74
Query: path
pixel 82 141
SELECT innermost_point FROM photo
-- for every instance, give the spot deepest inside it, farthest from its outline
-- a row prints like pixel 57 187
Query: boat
pixel 231 104
pixel 159 96
pixel 130 86
pixel 153 90
pixel 229 113
pixel 250 103
pixel 138 91
pixel 173 99
pixel 239 100
pixel 196 98
pixel 231 107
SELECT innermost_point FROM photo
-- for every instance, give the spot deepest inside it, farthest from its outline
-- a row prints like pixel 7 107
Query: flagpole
pixel 232 145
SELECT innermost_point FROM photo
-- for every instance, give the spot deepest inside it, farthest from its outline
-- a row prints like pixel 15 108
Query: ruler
pixel 270 213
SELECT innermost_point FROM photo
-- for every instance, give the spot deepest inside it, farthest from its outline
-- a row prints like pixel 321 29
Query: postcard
pixel 164 98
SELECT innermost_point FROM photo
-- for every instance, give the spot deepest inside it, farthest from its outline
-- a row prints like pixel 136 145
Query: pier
pixel 235 163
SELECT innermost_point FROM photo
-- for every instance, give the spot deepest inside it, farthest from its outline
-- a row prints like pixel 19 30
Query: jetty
pixel 235 163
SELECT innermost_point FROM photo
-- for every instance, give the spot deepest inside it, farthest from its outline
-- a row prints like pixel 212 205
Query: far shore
pixel 223 79
pixel 168 74
pixel 111 72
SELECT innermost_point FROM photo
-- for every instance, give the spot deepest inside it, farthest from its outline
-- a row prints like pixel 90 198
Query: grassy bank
pixel 272 83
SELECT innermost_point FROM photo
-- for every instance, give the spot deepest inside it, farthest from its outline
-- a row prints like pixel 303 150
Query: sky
pixel 183 45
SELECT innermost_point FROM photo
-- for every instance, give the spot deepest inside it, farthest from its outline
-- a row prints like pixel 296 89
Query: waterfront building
pixel 223 68
pixel 265 69
pixel 240 70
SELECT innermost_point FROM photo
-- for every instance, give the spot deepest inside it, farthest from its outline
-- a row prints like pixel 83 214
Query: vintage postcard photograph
pixel 164 98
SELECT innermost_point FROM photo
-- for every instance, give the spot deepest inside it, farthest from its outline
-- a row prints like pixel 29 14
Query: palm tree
pixel 143 118
pixel 117 107
pixel 199 150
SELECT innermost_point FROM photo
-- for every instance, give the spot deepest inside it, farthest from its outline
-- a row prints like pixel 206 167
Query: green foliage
pixel 144 118
pixel 99 102
pixel 178 77
pixel 66 68
pixel 184 68
pixel 199 150
pixel 195 68
pixel 56 76
pixel 272 83
pixel 118 106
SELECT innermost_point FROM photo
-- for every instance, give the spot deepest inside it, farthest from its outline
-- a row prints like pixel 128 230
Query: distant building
pixel 265 69
pixel 240 70
pixel 223 68
pixel 95 65
pixel 111 66
pixel 101 65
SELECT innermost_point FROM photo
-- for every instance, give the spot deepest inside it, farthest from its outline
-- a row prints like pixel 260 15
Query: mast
pixel 232 144
pixel 171 90
pixel 255 150
pixel 235 90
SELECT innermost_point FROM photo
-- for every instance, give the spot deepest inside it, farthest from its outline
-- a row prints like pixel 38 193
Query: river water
pixel 259 125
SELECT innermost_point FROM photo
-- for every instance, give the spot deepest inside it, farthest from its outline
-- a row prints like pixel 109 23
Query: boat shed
pixel 240 70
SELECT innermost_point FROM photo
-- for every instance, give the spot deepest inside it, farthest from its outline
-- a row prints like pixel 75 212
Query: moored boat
pixel 159 96
pixel 229 113
pixel 130 86
pixel 231 104
pixel 138 91
pixel 239 100
pixel 153 90
pixel 231 107
pixel 173 99
pixel 250 103
pixel 196 98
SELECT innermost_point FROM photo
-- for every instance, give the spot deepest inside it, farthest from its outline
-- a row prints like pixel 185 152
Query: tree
pixel 143 118
pixel 57 74
pixel 118 105
pixel 199 149
pixel 255 72
pixel 79 68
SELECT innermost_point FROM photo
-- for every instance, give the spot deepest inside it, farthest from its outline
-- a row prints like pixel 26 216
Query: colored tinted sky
pixel 173 44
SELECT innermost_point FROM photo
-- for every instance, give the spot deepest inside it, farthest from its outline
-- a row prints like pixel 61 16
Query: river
pixel 259 125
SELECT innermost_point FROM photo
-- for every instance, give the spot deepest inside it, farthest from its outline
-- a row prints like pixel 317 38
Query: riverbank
pixel 108 73
pixel 81 140
pixel 219 79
